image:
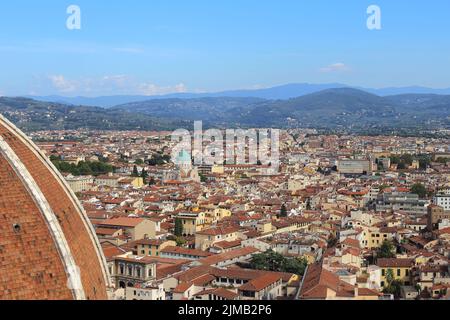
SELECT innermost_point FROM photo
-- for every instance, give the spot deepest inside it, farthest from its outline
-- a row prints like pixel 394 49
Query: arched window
pixel 130 270
pixel 138 272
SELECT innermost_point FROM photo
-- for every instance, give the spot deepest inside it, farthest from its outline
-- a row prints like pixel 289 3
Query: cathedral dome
pixel 48 248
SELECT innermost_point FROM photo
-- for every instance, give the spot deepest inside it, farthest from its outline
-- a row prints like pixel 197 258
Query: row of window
pixel 134 271
pixel 399 272
pixel 143 252
pixel 232 281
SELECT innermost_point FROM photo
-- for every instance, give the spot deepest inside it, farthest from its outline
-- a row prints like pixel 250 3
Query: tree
pixel 158 159
pixel 144 175
pixel 392 286
pixel 395 160
pixel 272 261
pixel 55 158
pixel 424 162
pixel 387 250
pixel 83 167
pixel 283 211
pixel 401 166
pixel 332 241
pixel 419 189
pixel 135 172
pixel 180 241
pixel 407 159
pixel 389 276
pixel 178 227
pixel 203 178
pixel 308 204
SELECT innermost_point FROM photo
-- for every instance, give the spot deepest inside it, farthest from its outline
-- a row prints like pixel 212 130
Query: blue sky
pixel 155 47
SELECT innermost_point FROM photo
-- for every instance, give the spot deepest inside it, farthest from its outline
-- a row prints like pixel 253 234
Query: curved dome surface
pixel 48 248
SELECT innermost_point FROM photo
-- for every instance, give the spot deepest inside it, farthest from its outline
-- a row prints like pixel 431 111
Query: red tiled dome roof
pixel 48 249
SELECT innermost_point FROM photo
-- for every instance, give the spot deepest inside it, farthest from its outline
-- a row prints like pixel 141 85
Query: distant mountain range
pixel 331 108
pixel 275 93
pixel 339 109
pixel 32 115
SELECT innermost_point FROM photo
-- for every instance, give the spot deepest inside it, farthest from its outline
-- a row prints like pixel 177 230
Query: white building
pixel 147 293
pixel 442 200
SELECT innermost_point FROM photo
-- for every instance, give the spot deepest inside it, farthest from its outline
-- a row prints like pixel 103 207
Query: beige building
pixel 192 222
pixel 400 269
pixel 374 237
pixel 135 228
pixel 79 184
pixel 136 182
pixel 350 166
pixel 206 238
pixel 435 215
pixel 130 270
pixel 107 180
pixel 152 247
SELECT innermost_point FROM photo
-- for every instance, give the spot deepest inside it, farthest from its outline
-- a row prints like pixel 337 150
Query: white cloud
pixel 149 89
pixel 110 85
pixel 62 84
pixel 335 67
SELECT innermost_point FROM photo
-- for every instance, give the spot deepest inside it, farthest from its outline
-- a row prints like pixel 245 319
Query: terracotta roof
pixel 364 292
pixel 220 292
pixel 247 274
pixel 227 244
pixel 204 280
pixel 183 287
pixel 317 281
pixel 395 263
pixel 150 242
pixel 352 243
pixel 212 260
pixel 122 222
pixel 193 273
pixel 352 251
pixel 111 251
pixel 260 283
pixel 185 251
pixel 220 230
pixel 105 231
